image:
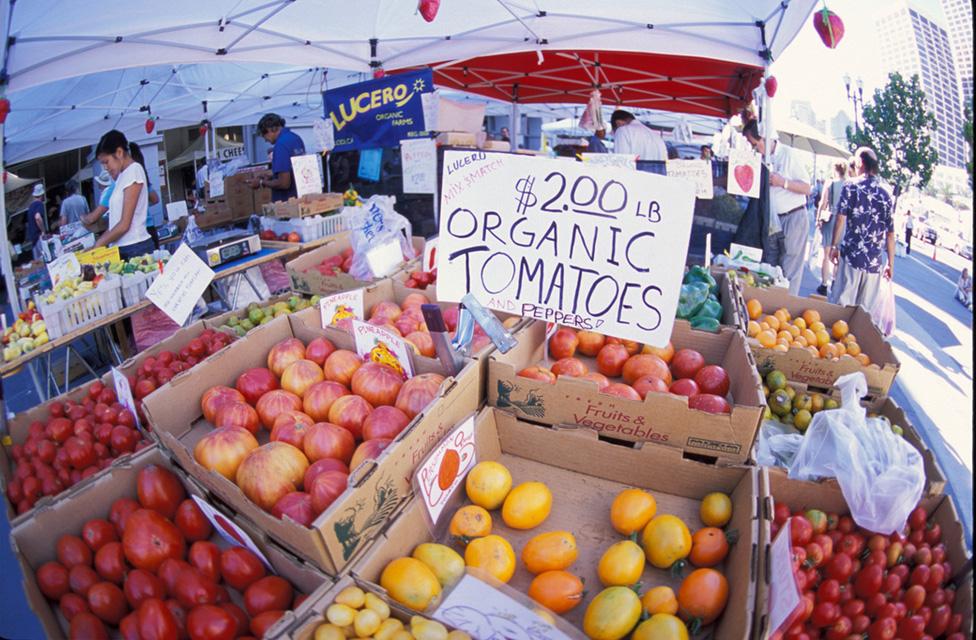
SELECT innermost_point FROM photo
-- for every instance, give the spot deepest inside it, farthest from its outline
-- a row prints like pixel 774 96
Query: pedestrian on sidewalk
pixel 964 289
pixel 909 226
pixel 788 191
pixel 829 201
pixel 864 213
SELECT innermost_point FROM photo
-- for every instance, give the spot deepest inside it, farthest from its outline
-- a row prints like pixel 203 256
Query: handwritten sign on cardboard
pixel 621 160
pixel 376 344
pixel 307 171
pixel 419 161
pixel 63 267
pixel 124 393
pixel 347 304
pixel 178 288
pixel 584 246
pixel 438 477
pixel 744 173
pixel 698 172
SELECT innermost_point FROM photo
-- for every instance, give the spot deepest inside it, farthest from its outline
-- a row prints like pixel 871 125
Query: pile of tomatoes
pixel 77 440
pixel 155 371
pixel 150 569
pixel 856 583
pixel 421 279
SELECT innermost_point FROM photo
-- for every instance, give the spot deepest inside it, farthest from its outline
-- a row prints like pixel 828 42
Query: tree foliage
pixel 897 125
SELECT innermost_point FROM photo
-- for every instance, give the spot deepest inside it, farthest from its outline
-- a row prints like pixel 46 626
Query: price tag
pixel 229 531
pixel 307 171
pixel 63 267
pixel 596 248
pixel 347 304
pixel 699 172
pixel 438 477
pixel 376 344
pixel 99 255
pixel 177 290
pixel 419 161
pixel 124 393
pixel 385 258
pixel 430 254
pixel 216 180
pixel 482 611
pixel 785 601
pixel 176 210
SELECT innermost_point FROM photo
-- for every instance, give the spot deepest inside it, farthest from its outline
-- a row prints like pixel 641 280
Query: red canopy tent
pixel 682 84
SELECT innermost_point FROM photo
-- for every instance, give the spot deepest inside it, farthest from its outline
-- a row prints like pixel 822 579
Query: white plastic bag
pixel 883 312
pixel 777 444
pixel 376 225
pixel 880 474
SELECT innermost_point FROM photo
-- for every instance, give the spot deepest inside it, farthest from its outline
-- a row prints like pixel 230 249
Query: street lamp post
pixel 856 96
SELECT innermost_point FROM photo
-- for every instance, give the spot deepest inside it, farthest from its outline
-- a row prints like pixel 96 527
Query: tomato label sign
pixel 229 531
pixel 124 393
pixel 376 344
pixel 581 245
pixel 348 304
pixel 785 602
pixel 439 476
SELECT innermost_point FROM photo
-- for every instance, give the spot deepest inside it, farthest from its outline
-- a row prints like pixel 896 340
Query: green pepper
pixel 711 309
pixel 698 273
pixel 691 299
pixel 705 323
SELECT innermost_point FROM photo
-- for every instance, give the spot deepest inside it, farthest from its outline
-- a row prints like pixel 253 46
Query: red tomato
pixel 243 621
pixel 868 581
pixel 264 621
pixel 194 588
pixel 87 626
pixel 160 490
pixel 81 577
pixel 939 622
pixel 840 629
pixel 97 533
pixel 911 628
pixel 781 513
pixel 891 584
pixel 883 629
pixel 815 555
pixel 825 614
pixel 156 621
pixel 873 604
pixel 110 562
pixel 169 572
pixel 851 544
pixel 179 614
pixel 826 543
pixel 801 531
pixel 829 591
pixel 107 602
pixel 267 594
pixel 72 604
pixel 901 571
pixel 917 518
pixel 877 557
pixel 140 586
pixel 52 578
pixel 149 539
pixel 205 556
pixel 72 550
pixel 211 622
pixel 191 521
pixel 120 511
pixel 917 537
pixel 860 624
pixel 920 575
pixel 240 568
pixel 935 599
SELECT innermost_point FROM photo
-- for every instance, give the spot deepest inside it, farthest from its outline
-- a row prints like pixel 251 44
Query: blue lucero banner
pixel 378 113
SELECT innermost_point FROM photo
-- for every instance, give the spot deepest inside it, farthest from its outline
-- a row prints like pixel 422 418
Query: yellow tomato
pixel 488 484
pixel 754 329
pixel 446 563
pixel 754 307
pixel 800 323
pixel 367 623
pixel 329 632
pixel 612 614
pixel 631 510
pixel 772 321
pixel 782 315
pixel 666 540
pixel 388 628
pixel 660 600
pixel 550 551
pixel 853 348
pixel 621 564
pixel 527 505
pixel 715 510
pixel 411 583
pixel 810 316
pixel 427 629
pixel 492 554
pixel 822 337
pixel 378 605
pixel 817 325
pixel 766 338
pixel 839 329
pixel 470 522
pixel 662 626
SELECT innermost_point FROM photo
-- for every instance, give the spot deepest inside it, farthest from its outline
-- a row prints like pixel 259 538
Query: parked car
pixel 962 247
pixel 925 232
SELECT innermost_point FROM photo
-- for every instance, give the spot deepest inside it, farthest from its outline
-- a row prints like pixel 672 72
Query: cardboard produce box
pixel 307 205
pixel 375 488
pixel 801 366
pixel 584 475
pixel 214 213
pixel 174 343
pixel 240 198
pixel 34 541
pixel 307 279
pixel 660 418
pixel 797 494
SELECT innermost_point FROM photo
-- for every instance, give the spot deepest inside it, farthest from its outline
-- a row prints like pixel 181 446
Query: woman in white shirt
pixel 129 204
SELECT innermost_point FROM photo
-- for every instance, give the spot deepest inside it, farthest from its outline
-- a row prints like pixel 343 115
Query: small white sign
pixel 419 161
pixel 216 181
pixel 744 172
pixel 430 254
pixel 63 267
pixel 229 531
pixel 482 611
pixel 784 596
pixel 740 251
pixel 124 393
pixel 622 160
pixel 347 304
pixel 698 172
pixel 324 132
pixel 430 102
pixel 376 344
pixel 176 210
pixel 439 476
pixel 177 289
pixel 307 172
pixel 385 258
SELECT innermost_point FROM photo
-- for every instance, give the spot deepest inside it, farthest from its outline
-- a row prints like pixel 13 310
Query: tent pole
pixel 7 260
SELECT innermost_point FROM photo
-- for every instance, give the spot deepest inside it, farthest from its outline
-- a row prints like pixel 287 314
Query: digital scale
pixel 230 248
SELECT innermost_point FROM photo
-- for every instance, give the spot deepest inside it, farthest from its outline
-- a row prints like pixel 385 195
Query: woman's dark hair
pixel 269 121
pixel 750 125
pixel 868 160
pixel 111 141
pixel 840 168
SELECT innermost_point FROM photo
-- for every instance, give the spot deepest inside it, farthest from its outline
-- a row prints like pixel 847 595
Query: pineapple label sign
pixel 581 245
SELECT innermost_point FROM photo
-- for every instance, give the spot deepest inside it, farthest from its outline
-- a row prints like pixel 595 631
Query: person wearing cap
pixel 632 136
pixel 104 180
pixel 285 144
pixel 36 223
pixel 74 206
pixel 594 144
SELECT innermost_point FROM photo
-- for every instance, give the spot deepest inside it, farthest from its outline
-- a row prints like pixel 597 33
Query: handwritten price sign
pixel 585 246
pixel 438 477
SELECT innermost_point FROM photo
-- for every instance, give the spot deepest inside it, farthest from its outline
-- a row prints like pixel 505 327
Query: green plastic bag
pixel 698 273
pixel 705 323
pixel 691 299
pixel 711 309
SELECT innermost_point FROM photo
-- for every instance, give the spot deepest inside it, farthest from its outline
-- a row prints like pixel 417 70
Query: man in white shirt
pixel 631 136
pixel 788 191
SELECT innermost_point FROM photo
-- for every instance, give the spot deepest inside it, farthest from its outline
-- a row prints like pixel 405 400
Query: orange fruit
pixel 850 337
pixel 822 337
pixel 470 522
pixel 783 314
pixel 764 326
pixel 559 591
pixel 551 551
pixel 810 316
pixel 853 348
pixel 863 359
pixel 783 341
pixel 754 328
pixel 809 336
pixel 785 335
pixel 839 329
pixel 841 349
pixel 828 350
pixel 772 321
pixel 800 341
pixel 779 346
pixel 817 326
pixel 660 600
pixel 793 329
pixel 800 323
pixel 754 307
pixel 708 547
pixel 767 338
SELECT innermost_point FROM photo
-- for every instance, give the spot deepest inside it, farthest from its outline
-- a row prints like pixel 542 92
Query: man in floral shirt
pixel 864 216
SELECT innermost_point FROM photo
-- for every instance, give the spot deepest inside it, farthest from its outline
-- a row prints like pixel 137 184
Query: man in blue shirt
pixel 285 144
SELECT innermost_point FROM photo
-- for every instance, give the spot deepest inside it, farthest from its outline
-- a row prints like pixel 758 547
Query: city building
pixel 802 111
pixel 912 44
pixel 959 25
pixel 838 127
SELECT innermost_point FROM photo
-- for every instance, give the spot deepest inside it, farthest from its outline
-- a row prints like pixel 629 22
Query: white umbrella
pixel 802 136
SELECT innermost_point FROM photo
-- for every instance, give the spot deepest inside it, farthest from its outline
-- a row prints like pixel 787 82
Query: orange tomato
pixel 550 551
pixel 822 337
pixel 841 348
pixel 767 338
pixel 817 326
pixel 800 341
pixel 810 316
pixel 839 329
pixel 782 315
pixel 493 554
pixel 559 591
pixel 660 600
pixel 772 321
pixel 853 348
pixel 631 510
pixel 863 358
pixel 779 346
pixel 754 307
pixel 702 596
pixel 800 323
pixel 794 330
pixel 754 328
pixel 809 336
pixel 664 353
pixel 785 335
pixel 470 522
pixel 828 351
pixel 708 547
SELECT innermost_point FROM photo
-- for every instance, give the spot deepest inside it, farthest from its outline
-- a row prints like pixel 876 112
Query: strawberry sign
pixel 743 173
pixel 829 27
